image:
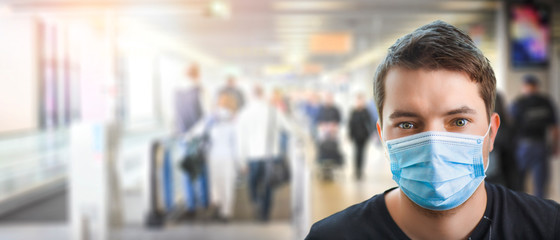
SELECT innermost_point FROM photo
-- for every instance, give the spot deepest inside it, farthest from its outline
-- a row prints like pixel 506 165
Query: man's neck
pixel 419 223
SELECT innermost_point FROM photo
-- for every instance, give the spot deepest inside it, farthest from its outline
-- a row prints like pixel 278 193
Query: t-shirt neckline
pixel 478 232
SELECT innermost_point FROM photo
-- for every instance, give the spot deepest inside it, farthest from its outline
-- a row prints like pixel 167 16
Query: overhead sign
pixel 330 43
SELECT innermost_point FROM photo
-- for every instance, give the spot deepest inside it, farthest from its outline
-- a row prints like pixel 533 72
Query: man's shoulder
pixel 349 220
pixel 351 213
pixel 521 200
pixel 522 209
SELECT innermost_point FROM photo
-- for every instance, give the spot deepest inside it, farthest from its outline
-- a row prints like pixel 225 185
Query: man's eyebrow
pixel 398 114
pixel 461 110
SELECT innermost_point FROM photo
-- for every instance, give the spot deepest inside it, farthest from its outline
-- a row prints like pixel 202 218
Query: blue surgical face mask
pixel 437 170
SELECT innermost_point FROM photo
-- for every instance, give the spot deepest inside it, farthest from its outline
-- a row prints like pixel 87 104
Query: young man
pixel 435 93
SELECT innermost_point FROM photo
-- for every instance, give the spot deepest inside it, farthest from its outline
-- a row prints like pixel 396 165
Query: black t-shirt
pixel 508 215
pixel 532 115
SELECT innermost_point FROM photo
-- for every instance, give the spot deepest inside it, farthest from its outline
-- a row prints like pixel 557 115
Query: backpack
pixel 195 157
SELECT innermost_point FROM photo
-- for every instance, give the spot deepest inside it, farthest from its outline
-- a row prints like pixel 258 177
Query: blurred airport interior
pixel 102 101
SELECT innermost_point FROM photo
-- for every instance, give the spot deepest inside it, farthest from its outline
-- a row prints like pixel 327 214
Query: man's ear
pixel 379 130
pixel 494 125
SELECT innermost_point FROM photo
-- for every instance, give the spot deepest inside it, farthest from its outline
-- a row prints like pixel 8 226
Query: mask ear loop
pixel 488 130
pixel 487 162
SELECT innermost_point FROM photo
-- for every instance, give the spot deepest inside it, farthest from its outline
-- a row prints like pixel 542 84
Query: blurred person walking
pixel 188 111
pixel 534 118
pixel 360 129
pixel 222 158
pixel 259 128
pixel 188 106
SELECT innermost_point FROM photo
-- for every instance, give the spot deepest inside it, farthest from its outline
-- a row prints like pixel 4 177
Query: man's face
pixel 440 100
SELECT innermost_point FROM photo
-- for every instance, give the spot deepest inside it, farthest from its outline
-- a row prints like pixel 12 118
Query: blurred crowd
pixel 246 133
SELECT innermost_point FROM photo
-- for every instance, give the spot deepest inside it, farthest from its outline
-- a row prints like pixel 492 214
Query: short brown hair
pixel 438 45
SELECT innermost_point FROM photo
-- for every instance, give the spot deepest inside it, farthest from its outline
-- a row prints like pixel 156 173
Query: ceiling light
pixel 219 9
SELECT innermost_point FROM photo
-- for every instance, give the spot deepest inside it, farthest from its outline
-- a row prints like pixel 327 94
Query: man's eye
pixel 406 125
pixel 461 122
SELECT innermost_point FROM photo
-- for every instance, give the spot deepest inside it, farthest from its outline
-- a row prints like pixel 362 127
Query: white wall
pixel 171 72
pixel 18 75
pixel 140 89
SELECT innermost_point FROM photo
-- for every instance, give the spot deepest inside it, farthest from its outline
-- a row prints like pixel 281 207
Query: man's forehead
pixel 405 70
pixel 430 91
